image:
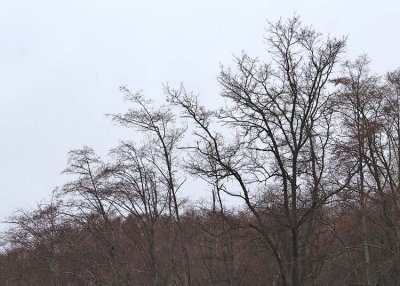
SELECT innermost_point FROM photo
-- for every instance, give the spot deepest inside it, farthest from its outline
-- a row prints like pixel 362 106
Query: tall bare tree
pixel 357 103
pixel 157 126
pixel 281 116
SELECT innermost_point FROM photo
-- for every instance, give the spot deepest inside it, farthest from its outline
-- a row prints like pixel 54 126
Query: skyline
pixel 62 66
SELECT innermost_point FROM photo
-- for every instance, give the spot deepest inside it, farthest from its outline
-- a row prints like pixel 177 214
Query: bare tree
pixel 139 195
pixel 157 125
pixel 86 198
pixel 356 102
pixel 369 111
pixel 43 229
pixel 282 118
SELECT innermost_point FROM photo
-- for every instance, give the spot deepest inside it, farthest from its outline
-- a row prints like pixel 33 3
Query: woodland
pixel 307 145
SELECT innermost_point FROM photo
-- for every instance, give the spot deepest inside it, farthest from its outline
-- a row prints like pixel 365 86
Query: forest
pixel 301 166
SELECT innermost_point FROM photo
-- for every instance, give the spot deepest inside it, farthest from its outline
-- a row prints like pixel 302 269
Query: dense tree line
pixel 308 142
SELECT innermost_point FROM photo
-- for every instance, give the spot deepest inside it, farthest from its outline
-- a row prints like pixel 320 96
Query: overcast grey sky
pixel 61 63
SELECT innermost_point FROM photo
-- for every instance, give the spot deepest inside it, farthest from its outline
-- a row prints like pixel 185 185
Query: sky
pixel 62 62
